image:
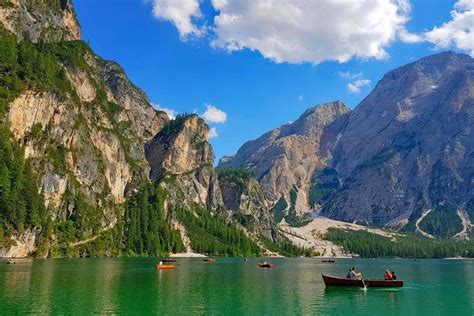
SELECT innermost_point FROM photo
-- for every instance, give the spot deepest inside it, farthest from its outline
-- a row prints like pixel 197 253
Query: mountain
pixel 285 159
pixel 89 168
pixel 402 158
pixel 409 148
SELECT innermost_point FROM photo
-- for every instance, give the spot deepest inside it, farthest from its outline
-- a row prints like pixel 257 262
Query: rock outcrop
pixel 40 21
pixel 182 159
pixel 285 159
pixel 243 196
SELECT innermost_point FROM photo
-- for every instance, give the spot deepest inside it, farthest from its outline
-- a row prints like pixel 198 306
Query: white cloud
pixel 459 31
pixel 214 115
pixel 212 133
pixel 171 113
pixel 181 13
pixel 355 86
pixel 300 98
pixel 408 37
pixel 349 75
pixel 296 31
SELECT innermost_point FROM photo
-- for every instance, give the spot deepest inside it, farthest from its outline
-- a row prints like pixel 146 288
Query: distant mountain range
pixel 89 168
pixel 405 153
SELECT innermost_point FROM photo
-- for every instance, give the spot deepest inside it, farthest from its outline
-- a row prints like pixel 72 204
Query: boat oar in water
pixel 365 286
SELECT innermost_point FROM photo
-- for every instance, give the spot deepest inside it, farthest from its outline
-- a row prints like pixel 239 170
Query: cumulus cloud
pixel 181 13
pixel 214 115
pixel 171 113
pixel 212 133
pixel 354 87
pixel 349 75
pixel 459 31
pixel 296 31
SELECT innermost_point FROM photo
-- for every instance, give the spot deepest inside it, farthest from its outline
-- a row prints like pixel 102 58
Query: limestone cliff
pixel 182 159
pixel 40 21
pixel 81 122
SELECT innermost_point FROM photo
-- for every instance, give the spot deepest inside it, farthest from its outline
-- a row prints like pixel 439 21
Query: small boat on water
pixel 210 260
pixel 168 260
pixel 265 265
pixel 11 261
pixel 328 261
pixel 335 281
pixel 165 266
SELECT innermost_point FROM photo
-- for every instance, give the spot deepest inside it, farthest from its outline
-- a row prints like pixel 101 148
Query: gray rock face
pixel 46 21
pixel 285 159
pixel 181 157
pixel 244 198
pixel 408 146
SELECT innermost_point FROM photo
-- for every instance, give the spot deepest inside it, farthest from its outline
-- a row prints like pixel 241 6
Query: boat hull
pixel 165 266
pixel 334 281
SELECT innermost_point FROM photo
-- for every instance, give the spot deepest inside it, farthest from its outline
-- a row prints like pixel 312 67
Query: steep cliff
pixel 40 21
pixel 81 122
pixel 409 147
pixel 285 159
pixel 182 159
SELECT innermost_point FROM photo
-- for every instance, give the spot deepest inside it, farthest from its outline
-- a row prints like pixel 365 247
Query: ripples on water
pixel 231 286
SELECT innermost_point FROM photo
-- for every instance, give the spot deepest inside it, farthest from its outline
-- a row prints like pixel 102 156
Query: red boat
pixel 334 281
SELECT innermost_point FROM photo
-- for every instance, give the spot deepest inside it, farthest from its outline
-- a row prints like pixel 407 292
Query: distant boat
pixel 209 260
pixel 168 260
pixel 165 266
pixel 265 265
pixel 328 261
pixel 335 281
pixel 11 261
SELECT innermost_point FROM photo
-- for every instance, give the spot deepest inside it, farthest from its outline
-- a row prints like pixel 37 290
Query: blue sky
pixel 257 92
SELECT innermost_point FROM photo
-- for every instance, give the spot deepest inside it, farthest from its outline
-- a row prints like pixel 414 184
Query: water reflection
pixel 230 286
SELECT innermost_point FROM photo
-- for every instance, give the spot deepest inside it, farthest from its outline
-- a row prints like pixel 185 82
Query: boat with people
pixel 336 281
pixel 165 266
pixel 168 260
pixel 11 261
pixel 328 261
pixel 265 264
pixel 209 260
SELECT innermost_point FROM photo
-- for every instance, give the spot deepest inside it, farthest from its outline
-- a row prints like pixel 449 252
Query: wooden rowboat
pixel 168 260
pixel 165 266
pixel 265 265
pixel 210 260
pixel 334 281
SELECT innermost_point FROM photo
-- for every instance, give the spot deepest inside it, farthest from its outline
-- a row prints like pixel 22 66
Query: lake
pixel 232 287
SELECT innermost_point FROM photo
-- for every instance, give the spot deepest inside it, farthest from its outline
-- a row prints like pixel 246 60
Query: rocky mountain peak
pixel 40 21
pixel 180 147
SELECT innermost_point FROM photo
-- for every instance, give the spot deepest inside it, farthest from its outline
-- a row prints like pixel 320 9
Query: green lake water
pixel 231 287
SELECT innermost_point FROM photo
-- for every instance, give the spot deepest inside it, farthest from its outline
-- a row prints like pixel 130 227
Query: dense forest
pixel 213 235
pixel 370 245
pixel 145 228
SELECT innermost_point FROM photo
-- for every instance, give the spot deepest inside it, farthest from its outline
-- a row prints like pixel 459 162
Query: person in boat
pixel 348 275
pixel 394 277
pixel 388 275
pixel 355 275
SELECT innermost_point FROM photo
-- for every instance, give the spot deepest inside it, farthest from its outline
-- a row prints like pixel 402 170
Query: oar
pixel 365 286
